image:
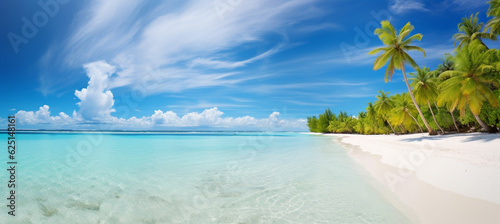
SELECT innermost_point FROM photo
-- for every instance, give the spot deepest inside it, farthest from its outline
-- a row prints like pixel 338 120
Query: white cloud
pixel 138 122
pixel 204 104
pixel 96 105
pixel 42 116
pixel 105 25
pixel 272 88
pixel 177 40
pixel 464 4
pixel 212 118
pixel 167 118
pixel 197 30
pixel 317 27
pixel 177 45
pixel 226 64
pixel 96 102
pixel 170 80
pixel 402 6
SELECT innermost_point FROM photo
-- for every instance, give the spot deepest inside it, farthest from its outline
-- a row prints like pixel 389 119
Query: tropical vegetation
pixel 461 95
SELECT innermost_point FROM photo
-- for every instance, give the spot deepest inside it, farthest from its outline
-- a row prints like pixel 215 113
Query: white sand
pixel 443 179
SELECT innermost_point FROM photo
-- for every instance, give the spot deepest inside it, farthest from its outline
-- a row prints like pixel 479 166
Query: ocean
pixel 190 177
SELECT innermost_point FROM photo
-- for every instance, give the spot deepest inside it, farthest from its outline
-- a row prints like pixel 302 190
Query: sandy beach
pixel 440 179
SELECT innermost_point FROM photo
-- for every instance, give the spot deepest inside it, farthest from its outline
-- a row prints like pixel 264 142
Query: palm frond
pixel 382 59
pixel 417 36
pixel 414 48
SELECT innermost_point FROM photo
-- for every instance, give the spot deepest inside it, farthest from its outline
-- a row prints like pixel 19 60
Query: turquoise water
pixel 191 178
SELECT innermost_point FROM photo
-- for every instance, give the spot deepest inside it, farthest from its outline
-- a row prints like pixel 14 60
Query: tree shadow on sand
pixel 471 137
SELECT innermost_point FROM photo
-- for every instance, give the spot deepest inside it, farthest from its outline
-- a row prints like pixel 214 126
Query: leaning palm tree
pixel 493 25
pixel 402 111
pixel 470 30
pixel 396 57
pixel 383 107
pixel 468 86
pixel 425 89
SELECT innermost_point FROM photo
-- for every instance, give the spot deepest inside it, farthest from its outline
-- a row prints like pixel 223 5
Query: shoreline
pixel 441 179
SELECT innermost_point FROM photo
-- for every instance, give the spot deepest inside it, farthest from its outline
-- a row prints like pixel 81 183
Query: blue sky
pixel 204 64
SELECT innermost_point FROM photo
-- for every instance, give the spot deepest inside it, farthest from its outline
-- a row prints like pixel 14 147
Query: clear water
pixel 191 178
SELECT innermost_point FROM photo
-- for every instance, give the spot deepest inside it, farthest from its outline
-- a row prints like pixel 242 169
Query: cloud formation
pixel 213 117
pixel 209 118
pixel 402 6
pixel 42 116
pixel 96 108
pixel 213 63
pixel 96 102
pixel 191 42
pixel 465 4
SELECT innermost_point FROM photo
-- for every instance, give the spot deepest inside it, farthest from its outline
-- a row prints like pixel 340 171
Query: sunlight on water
pixel 192 178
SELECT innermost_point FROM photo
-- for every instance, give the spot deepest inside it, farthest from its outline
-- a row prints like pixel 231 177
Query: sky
pixel 205 64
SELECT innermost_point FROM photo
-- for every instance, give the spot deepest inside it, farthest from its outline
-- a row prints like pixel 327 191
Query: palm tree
pixel 395 54
pixel 493 25
pixel 371 113
pixel 425 89
pixel 361 126
pixel 402 111
pixel 469 84
pixel 372 116
pixel 494 9
pixel 447 64
pixel 470 30
pixel 383 107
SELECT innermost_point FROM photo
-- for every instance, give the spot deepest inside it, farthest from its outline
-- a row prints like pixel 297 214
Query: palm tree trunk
pixel 481 40
pixel 434 117
pixel 421 130
pixel 391 127
pixel 431 132
pixel 481 122
pixel 454 122
pixel 402 129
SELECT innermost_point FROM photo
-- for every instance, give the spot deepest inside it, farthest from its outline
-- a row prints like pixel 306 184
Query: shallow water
pixel 191 178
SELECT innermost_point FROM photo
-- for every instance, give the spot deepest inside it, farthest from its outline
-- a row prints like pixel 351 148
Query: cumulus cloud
pixel 42 116
pixel 167 118
pixel 212 118
pixel 96 105
pixel 402 6
pixel 96 102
